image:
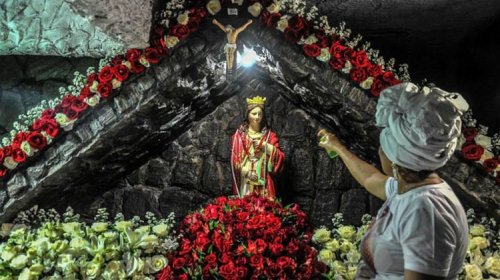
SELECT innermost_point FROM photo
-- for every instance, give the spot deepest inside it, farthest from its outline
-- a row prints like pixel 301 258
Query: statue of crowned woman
pixel 255 153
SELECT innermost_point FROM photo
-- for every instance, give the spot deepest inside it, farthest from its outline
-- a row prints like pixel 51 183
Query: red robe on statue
pixel 263 161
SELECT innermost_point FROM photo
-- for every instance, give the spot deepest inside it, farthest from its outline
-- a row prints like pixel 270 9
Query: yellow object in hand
pixel 331 154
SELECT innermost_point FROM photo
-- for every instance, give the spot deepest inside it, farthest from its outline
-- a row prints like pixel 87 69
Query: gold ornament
pixel 257 100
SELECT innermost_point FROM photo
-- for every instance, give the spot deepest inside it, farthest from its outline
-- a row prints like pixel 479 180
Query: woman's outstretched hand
pixel 330 141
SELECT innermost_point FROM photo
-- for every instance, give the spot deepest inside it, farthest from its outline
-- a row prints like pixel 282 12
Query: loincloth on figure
pixel 229 47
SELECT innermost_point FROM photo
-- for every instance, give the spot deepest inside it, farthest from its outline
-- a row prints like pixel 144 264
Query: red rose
pixel 199 12
pixel 18 139
pixel 133 55
pixel 297 23
pixel 104 89
pixel 358 75
pixel 37 140
pixel 179 263
pixel 226 258
pixel 91 78
pixel 51 127
pixel 274 270
pixel 472 151
pixel 255 222
pixel 120 71
pixel 390 78
pixel 85 92
pixel 348 53
pixel 3 171
pixel 152 55
pixel 337 49
pixel 242 216
pixel 469 133
pixel 242 261
pixel 228 271
pixel 180 31
pixel 490 164
pixel 67 101
pixel 194 23
pixel 323 40
pixel 70 113
pixel 276 248
pixel 19 155
pixel 241 272
pixel 272 20
pixel 257 261
pixel 48 114
pixel 2 156
pixel 312 50
pixel 58 108
pixel 79 106
pixel 211 259
pixel 360 59
pixel 292 35
pixel 106 74
pixel 378 86
pixel 159 30
pixel 260 246
pixel 212 212
pixel 337 63
pixel 264 15
pixel 185 247
pixel 183 276
pixel 201 242
pixel 374 70
pixel 292 247
pixel 117 60
pixel 137 67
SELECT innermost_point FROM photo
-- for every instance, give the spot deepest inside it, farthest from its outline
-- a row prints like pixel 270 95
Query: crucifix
pixel 230 47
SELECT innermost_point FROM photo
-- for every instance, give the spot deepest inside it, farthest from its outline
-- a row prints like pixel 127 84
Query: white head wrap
pixel 421 128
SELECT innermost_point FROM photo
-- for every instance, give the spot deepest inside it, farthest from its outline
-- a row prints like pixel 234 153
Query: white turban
pixel 421 128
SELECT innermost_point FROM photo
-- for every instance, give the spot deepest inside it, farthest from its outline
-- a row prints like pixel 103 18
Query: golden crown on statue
pixel 257 100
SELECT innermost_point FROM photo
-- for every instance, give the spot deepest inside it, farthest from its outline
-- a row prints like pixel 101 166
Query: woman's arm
pixel 366 174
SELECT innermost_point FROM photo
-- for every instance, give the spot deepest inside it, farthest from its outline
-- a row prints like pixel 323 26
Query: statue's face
pixel 255 116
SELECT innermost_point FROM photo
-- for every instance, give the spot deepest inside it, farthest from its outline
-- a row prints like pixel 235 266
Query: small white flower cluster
pixel 71 249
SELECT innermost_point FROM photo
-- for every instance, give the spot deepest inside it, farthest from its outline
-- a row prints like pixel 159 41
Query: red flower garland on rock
pixel 249 238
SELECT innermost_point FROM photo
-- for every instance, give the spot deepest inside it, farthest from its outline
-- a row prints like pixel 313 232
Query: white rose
pixel 273 8
pixel 346 232
pixel 321 235
pixel 92 270
pixel 144 61
pixel 472 272
pixel 161 230
pixel 158 262
pixel 255 9
pixel 367 84
pixel 483 140
pixel 72 228
pixel 171 41
pixel 282 24
pixel 213 7
pixel 347 67
pixel 10 163
pixel 93 100
pixel 324 55
pixel 95 84
pixel 492 265
pixel 142 230
pixel 123 225
pixel 149 242
pixel 64 121
pixel 478 242
pixel 183 18
pixel 311 39
pixel 26 147
pixel 19 262
pixel 326 256
pixel 99 226
pixel 25 275
pixel 332 245
pixel 477 230
pixel 115 83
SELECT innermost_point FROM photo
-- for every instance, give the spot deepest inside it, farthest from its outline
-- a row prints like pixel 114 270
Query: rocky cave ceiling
pixel 452 43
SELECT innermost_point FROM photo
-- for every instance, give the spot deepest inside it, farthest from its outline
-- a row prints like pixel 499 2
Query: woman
pixel 255 153
pixel 421 230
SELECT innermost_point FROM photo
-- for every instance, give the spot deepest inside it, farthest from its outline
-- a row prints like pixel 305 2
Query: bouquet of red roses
pixel 245 238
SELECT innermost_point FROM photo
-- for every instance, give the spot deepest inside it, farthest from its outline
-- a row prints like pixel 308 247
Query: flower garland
pixel 247 238
pixel 332 45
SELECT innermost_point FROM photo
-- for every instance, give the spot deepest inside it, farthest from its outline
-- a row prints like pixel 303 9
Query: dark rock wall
pixel 196 167
pixel 27 80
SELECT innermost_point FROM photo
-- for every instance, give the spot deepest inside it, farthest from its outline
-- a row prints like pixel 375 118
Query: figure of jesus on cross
pixel 232 35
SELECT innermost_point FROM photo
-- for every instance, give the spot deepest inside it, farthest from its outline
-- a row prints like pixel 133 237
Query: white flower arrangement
pixel 71 249
pixel 339 248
